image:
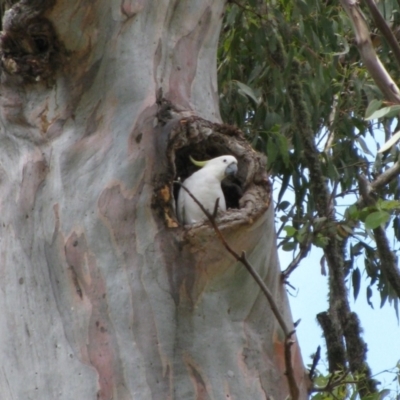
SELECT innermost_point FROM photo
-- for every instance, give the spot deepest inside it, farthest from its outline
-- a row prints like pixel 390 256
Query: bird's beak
pixel 231 169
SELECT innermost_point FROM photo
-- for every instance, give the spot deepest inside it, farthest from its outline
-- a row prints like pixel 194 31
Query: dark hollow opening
pixel 232 187
pixel 42 44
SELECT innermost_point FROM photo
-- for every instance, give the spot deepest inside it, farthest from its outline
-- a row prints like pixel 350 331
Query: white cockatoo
pixel 205 185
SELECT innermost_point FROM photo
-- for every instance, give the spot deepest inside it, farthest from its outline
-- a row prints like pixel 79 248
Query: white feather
pixel 205 185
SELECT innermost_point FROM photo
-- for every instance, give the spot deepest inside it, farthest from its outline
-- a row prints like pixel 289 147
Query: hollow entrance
pixel 247 195
pixel 232 187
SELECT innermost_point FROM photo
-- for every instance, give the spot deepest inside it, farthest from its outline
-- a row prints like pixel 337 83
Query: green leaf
pixel 388 205
pixel 352 212
pixel 363 145
pixel 284 185
pixel 271 153
pixel 396 227
pixel 369 295
pixel 373 106
pixel 289 246
pixel 356 279
pixel 320 240
pixel 248 91
pixel 283 205
pixel 383 393
pixel 290 231
pixel 284 149
pixel 391 142
pixel 384 112
pixel 376 218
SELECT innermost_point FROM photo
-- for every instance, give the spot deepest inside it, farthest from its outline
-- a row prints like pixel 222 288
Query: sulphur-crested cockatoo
pixel 205 185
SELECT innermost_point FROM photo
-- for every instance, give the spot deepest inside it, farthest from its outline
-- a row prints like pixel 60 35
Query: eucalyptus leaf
pixel 373 106
pixel 290 231
pixel 369 296
pixel 391 142
pixel 248 91
pixel 289 246
pixel 384 112
pixel 376 218
pixel 364 146
pixel 356 280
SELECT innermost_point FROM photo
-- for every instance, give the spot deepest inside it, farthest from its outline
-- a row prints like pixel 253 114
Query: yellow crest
pixel 197 163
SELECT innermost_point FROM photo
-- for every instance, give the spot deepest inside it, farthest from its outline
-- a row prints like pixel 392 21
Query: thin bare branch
pixel 368 54
pixel 384 28
pixel 294 390
pixel 386 177
pixel 304 249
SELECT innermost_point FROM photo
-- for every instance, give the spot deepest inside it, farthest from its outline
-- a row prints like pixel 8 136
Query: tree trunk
pixel 103 294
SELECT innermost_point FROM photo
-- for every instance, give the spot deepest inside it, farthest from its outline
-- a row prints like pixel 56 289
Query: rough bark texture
pixel 103 294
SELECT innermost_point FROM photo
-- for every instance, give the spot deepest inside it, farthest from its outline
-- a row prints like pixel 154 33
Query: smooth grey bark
pixel 101 297
pixel 368 54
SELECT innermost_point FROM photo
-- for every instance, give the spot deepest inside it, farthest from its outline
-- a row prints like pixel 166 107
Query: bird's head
pixel 221 166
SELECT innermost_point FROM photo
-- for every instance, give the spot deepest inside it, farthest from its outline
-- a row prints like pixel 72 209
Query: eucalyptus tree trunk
pixel 103 294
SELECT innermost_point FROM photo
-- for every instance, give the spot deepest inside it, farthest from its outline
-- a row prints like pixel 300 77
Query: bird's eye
pixel 224 159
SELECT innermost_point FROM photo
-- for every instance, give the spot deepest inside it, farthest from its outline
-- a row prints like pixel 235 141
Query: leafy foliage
pixel 349 117
pixel 341 385
pixel 348 114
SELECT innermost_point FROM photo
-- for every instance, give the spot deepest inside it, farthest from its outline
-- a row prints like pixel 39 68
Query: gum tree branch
pixel 334 342
pixel 388 260
pixel 294 390
pixel 339 308
pixel 367 188
pixel 384 28
pixel 367 52
pixel 386 177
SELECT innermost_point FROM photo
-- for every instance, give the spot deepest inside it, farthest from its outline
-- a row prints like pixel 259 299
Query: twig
pixel 284 223
pixel 304 249
pixel 294 390
pixel 214 214
pixel 332 384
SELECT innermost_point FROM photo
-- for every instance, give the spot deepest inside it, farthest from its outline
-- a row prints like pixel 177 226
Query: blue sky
pixel 310 296
pixel 381 330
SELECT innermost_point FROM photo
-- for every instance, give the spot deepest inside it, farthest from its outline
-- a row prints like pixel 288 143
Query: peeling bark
pixel 104 295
